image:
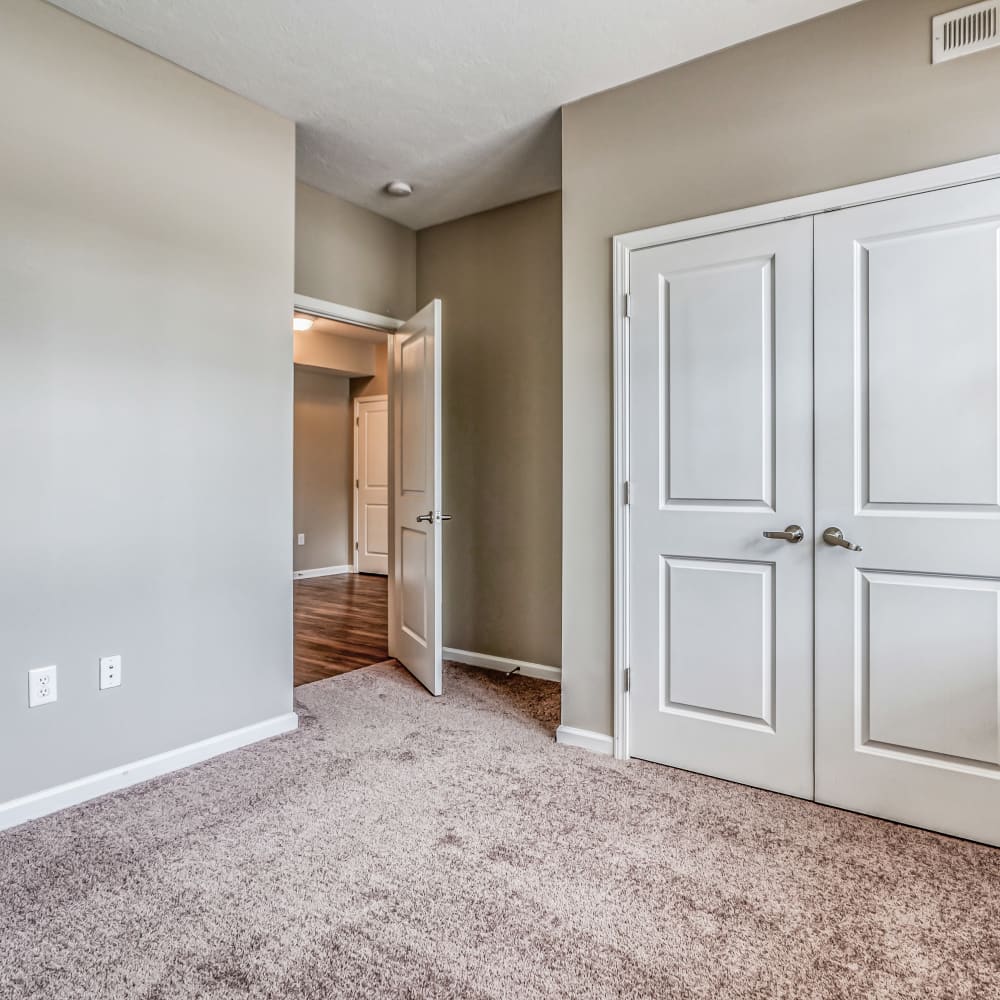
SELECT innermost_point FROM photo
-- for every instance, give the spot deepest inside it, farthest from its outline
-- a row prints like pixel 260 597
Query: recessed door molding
pixel 623 246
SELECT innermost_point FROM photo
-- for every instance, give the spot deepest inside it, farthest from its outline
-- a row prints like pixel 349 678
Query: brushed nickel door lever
pixel 793 533
pixel 834 536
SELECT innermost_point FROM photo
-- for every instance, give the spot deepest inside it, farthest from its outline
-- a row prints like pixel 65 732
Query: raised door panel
pixel 718 359
pixel 927 324
pixel 725 674
pixel 929 671
pixel 376 535
pixel 413 409
pixel 413 575
pixel 376 467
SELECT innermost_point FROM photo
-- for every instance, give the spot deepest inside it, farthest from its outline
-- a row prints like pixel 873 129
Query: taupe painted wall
pixel 324 442
pixel 345 355
pixel 377 384
pixel 324 463
pixel 498 275
pixel 348 255
pixel 146 250
pixel 846 98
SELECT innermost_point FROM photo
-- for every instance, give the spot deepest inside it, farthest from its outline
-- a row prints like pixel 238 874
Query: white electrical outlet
pixel 41 686
pixel 302 539
pixel 111 672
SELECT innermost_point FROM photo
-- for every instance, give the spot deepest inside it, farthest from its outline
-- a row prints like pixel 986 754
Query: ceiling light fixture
pixel 399 189
pixel 301 322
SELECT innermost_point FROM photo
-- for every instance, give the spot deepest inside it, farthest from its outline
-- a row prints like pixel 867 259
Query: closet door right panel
pixel 907 468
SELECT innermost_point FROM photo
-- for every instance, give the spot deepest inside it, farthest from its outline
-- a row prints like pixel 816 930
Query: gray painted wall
pixel 842 99
pixel 498 275
pixel 146 251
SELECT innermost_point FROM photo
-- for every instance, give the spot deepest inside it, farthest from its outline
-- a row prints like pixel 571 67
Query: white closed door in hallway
pixel 372 484
pixel 720 450
pixel 907 442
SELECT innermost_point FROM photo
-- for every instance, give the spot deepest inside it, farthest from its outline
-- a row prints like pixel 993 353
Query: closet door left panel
pixel 720 451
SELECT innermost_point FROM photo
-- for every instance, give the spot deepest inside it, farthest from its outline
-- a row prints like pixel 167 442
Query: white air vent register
pixel 966 30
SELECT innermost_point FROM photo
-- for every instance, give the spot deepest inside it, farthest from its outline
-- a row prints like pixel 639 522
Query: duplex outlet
pixel 111 672
pixel 41 686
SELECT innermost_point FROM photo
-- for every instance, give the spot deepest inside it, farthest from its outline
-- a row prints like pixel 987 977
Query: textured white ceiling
pixel 459 97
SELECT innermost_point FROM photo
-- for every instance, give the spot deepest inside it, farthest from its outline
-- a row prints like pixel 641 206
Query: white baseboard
pixel 308 574
pixel 74 792
pixel 502 663
pixel 587 740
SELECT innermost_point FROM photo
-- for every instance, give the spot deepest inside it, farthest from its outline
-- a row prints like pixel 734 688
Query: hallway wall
pixel 324 470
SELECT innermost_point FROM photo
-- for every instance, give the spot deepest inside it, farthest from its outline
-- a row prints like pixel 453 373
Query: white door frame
pixel 354 317
pixel 969 172
pixel 357 416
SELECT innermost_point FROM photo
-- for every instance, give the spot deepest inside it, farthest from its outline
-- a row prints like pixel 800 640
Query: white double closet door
pixel 866 679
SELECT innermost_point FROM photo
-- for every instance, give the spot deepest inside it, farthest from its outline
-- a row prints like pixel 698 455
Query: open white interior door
pixel 415 496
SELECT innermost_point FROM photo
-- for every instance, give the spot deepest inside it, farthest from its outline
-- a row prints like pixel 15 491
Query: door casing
pixel 937 178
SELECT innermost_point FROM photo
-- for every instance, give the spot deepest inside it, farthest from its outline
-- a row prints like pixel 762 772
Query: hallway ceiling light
pixel 301 322
pixel 399 189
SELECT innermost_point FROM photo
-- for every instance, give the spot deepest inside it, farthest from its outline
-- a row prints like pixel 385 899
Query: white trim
pixel 308 574
pixel 585 739
pixel 936 178
pixel 377 398
pixel 620 471
pixel 345 314
pixel 74 792
pixel 354 512
pixel 489 662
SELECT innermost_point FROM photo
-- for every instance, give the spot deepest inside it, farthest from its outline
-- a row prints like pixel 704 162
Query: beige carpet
pixel 398 846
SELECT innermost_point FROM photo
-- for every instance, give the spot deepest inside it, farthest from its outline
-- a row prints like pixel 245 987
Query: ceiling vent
pixel 966 30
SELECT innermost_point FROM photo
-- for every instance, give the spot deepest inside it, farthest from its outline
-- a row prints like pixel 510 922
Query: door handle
pixel 834 536
pixel 793 533
pixel 430 517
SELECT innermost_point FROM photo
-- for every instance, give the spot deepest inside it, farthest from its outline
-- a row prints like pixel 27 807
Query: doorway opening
pixel 367 485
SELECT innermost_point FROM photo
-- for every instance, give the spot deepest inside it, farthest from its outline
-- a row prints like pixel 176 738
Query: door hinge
pixel 627 305
pixel 628 679
pixel 355 545
pixel 627 493
pixel 357 484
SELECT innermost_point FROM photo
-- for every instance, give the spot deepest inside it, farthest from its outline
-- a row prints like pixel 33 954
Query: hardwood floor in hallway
pixel 341 624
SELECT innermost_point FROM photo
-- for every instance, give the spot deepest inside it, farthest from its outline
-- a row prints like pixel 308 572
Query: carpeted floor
pixel 400 846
